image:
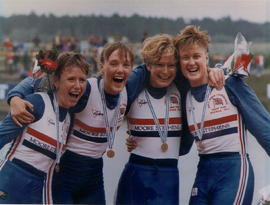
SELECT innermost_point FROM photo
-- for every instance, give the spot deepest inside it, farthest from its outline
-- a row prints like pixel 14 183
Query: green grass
pixel 259 84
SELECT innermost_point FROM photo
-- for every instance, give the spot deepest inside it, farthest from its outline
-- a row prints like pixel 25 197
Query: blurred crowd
pixel 17 58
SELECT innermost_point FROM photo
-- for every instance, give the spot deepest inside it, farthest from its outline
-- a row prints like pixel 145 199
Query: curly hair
pixel 154 47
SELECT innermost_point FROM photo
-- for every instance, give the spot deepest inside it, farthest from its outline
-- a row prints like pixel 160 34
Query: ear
pixel 56 83
pixel 101 68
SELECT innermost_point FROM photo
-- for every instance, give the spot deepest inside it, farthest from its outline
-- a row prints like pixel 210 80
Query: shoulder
pixel 237 86
pixel 35 98
pixel 234 81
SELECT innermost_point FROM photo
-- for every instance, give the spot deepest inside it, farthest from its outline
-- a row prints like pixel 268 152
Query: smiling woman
pixel 156 128
pixel 29 164
pixel 70 78
pixel 115 66
pixel 218 121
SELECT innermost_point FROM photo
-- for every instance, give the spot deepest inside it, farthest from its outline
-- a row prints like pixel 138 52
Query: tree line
pixel 24 28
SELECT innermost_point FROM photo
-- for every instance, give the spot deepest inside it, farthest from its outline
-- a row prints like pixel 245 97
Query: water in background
pixel 187 166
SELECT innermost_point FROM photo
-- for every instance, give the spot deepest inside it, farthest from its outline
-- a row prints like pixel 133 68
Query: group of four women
pixel 152 97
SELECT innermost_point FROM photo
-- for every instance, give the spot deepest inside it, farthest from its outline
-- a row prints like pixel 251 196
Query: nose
pixel 191 61
pixel 120 68
pixel 165 69
pixel 77 83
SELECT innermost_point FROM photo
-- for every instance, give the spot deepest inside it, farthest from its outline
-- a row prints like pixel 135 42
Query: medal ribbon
pixel 110 134
pixel 59 141
pixel 200 131
pixel 162 133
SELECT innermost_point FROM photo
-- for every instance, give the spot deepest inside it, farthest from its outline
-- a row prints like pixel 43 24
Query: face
pixel 70 87
pixel 163 72
pixel 116 70
pixel 194 63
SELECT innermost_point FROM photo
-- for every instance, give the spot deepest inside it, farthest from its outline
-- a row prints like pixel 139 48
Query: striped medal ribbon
pixel 109 132
pixel 162 133
pixel 200 131
pixel 59 140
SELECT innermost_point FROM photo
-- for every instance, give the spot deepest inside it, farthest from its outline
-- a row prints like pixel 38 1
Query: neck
pixel 156 92
pixel 58 100
pixel 199 82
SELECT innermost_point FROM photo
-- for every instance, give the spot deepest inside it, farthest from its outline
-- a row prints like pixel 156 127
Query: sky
pixel 252 10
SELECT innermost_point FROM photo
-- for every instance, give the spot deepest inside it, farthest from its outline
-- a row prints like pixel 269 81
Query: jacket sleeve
pixel 137 81
pixel 24 88
pixel 187 139
pixel 9 130
pixel 255 117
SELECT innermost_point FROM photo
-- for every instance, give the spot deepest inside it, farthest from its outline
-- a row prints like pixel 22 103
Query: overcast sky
pixel 251 10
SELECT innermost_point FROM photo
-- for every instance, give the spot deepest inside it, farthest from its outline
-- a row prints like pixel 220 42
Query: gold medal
pixel 110 153
pixel 164 147
pixel 57 168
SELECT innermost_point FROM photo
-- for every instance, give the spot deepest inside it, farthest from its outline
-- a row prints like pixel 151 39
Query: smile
pixel 192 70
pixel 118 79
pixel 164 78
pixel 74 95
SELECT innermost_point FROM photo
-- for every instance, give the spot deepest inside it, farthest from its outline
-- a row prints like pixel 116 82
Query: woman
pixel 94 129
pixel 27 170
pixel 218 120
pixel 154 120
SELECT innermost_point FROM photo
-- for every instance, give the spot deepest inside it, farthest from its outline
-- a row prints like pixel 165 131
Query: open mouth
pixel 74 95
pixel 118 79
pixel 192 70
pixel 164 78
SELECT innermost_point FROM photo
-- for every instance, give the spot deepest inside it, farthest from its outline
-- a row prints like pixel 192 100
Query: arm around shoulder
pixel 24 88
pixel 137 81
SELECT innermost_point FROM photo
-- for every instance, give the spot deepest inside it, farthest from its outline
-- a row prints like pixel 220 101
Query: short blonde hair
pixel 191 35
pixel 154 47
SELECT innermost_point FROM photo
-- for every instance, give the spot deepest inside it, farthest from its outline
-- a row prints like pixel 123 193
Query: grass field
pixel 259 84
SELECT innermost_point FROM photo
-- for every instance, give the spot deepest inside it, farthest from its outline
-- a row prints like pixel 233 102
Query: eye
pixel 197 56
pixel 82 80
pixel 158 65
pixel 114 63
pixel 171 66
pixel 127 65
pixel 184 58
pixel 71 79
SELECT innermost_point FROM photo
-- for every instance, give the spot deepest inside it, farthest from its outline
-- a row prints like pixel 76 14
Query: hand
pixel 131 144
pixel 216 78
pixel 19 112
